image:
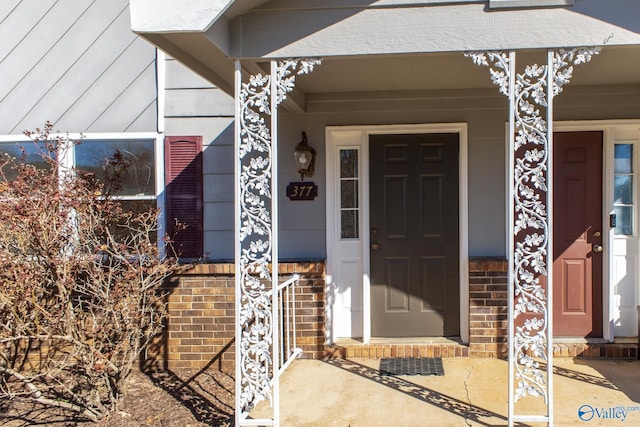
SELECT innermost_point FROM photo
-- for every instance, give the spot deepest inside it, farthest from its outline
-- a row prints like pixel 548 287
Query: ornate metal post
pixel 256 257
pixel 529 217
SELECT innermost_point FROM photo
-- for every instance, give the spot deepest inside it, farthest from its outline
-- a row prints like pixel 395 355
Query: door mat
pixel 411 366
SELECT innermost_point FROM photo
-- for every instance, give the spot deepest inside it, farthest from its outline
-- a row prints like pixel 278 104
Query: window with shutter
pixel 183 197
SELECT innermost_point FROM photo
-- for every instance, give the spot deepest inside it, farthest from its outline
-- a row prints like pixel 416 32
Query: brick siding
pixel 488 319
pixel 200 329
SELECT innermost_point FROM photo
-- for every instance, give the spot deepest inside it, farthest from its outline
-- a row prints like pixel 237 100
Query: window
pixel 138 190
pixel 22 152
pixel 139 178
pixel 623 200
pixel 349 208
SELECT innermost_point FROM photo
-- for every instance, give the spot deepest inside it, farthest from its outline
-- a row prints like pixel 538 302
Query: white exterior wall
pixel 74 63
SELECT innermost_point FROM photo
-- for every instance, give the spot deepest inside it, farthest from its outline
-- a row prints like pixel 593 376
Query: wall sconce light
pixel 305 157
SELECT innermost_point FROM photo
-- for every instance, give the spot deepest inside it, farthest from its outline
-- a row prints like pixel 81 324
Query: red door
pixel 577 234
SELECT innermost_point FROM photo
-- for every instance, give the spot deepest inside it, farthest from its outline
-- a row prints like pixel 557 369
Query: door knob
pixel 375 246
pixel 597 248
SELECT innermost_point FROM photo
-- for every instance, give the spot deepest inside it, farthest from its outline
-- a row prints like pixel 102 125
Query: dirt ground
pixel 176 398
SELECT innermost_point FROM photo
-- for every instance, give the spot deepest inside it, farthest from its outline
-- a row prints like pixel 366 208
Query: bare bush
pixel 79 279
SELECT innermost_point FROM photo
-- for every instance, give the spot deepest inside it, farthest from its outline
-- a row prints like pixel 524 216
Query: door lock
pixel 375 246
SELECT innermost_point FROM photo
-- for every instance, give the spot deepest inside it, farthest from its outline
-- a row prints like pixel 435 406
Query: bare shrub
pixel 79 279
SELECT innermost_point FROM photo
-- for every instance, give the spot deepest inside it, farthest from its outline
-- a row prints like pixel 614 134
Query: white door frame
pixel 614 131
pixel 338 137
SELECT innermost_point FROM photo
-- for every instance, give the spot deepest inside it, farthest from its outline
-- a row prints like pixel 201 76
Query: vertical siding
pixel 195 107
pixel 77 64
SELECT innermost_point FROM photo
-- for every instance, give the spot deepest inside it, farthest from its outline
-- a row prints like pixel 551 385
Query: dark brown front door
pixel 577 233
pixel 414 235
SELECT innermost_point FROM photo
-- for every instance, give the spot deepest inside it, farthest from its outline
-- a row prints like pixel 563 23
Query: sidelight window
pixel 623 203
pixel 349 202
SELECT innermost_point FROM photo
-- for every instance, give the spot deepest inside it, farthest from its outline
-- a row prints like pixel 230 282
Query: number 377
pixel 297 191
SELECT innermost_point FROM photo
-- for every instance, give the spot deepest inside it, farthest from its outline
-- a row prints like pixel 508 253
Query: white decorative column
pixel 529 217
pixel 256 225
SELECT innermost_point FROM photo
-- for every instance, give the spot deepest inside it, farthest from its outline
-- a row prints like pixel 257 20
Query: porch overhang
pixel 207 35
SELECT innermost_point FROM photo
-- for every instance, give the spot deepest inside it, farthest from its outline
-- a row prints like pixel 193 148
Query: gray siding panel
pixel 17 22
pixel 219 245
pixel 141 123
pixel 291 242
pixel 72 65
pixel 121 80
pixel 7 6
pixel 219 158
pixel 223 220
pixel 216 131
pixel 44 40
pixel 195 107
pixel 198 102
pixel 120 111
pixel 219 188
pixel 179 77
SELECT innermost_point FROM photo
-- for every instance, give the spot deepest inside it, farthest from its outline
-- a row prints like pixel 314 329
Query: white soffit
pixel 498 4
pixel 461 27
pixel 167 16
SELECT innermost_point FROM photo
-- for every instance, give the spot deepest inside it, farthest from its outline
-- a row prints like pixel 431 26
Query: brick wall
pixel 200 329
pixel 488 319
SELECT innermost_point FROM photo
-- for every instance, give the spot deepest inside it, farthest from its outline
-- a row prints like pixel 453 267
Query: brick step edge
pixel 378 351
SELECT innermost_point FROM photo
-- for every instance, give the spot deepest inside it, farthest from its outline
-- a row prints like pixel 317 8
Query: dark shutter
pixel 183 199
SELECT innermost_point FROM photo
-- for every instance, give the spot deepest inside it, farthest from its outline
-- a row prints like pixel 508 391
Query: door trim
pixel 622 130
pixel 359 136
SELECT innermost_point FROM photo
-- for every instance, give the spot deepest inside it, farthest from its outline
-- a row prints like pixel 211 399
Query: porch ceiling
pixel 406 77
pixel 451 71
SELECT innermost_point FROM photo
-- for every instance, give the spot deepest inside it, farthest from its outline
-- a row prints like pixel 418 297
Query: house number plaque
pixel 302 191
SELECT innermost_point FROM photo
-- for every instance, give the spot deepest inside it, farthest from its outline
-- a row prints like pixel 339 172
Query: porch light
pixel 305 157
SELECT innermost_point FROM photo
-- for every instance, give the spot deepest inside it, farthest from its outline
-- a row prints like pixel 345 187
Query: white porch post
pixel 529 218
pixel 257 316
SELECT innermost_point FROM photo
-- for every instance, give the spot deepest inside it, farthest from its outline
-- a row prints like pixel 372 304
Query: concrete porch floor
pixel 473 392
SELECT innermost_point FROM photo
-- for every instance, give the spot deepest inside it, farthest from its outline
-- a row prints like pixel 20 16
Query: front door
pixel 414 255
pixel 577 234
